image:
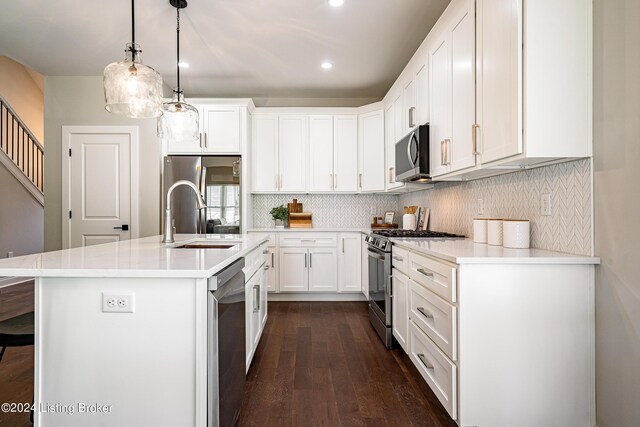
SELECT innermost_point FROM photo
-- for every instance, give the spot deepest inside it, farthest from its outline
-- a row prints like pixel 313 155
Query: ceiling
pixel 235 48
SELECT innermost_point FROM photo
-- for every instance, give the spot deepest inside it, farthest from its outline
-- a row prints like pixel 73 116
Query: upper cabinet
pixel 221 129
pixel 321 176
pixel 345 158
pixel 371 155
pixel 264 153
pixel 452 65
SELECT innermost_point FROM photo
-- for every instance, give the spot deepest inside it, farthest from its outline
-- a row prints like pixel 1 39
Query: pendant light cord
pixel 178 47
pixel 133 28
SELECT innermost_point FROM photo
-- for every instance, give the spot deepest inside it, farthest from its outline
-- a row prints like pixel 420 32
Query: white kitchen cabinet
pixel 272 273
pixel 399 308
pixel 371 151
pixel 292 153
pixel 364 266
pixel 345 149
pixel 321 144
pixel 350 262
pixel 253 325
pixel 391 137
pixel 293 265
pixel 333 153
pixel 221 129
pixel 264 151
pixel 422 94
pixel 265 278
pixel 409 106
pixel 323 270
pixel 452 62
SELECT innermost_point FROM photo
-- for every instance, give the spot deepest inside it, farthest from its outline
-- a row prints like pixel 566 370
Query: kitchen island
pixel 145 364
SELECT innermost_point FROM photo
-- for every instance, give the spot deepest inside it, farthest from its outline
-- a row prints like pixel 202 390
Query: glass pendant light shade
pixel 179 121
pixel 131 88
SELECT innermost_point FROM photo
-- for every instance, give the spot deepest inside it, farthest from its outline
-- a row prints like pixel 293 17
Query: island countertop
pixel 147 257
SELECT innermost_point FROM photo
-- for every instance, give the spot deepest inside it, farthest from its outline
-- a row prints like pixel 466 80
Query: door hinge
pixel 69 152
pixel 70 215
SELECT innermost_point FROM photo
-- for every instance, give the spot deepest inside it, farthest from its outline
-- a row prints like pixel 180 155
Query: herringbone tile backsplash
pixel 454 205
pixel 517 196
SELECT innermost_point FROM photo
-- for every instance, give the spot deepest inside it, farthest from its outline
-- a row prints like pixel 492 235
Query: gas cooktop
pixel 416 233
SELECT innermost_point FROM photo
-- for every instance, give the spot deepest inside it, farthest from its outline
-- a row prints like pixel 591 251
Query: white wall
pixel 617 210
pixel 21 218
pixel 80 101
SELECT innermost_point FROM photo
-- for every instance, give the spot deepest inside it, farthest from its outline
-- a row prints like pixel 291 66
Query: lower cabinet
pixel 349 262
pixel 308 270
pixel 294 276
pixel 255 306
pixel 399 308
pixel 323 272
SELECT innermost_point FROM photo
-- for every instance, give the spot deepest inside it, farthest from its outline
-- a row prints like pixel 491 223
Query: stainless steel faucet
pixel 168 227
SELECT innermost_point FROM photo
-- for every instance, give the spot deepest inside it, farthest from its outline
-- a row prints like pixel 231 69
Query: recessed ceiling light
pixel 183 64
pixel 327 65
pixel 336 3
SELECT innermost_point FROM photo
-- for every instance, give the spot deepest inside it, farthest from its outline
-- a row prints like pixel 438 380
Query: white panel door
pixel 409 102
pixel 323 270
pixel 294 274
pixel 221 129
pixel 364 266
pixel 272 263
pixel 264 150
pixel 345 149
pixel 440 124
pixel 422 95
pixel 99 188
pixel 463 85
pixel 292 159
pixel 371 136
pixel 349 263
pixel 321 153
pixel 499 36
pixel 390 144
pixel 400 309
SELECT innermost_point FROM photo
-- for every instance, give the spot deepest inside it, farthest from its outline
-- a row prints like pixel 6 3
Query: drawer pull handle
pixel 398 258
pixel 424 361
pixel 308 240
pixel 422 271
pixel 266 267
pixel 424 313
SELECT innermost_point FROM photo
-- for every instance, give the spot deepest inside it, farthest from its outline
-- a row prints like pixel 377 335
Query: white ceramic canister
pixel 516 233
pixel 409 221
pixel 480 230
pixel 494 232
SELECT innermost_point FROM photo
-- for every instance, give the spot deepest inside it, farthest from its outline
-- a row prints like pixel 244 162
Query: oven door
pixel 379 283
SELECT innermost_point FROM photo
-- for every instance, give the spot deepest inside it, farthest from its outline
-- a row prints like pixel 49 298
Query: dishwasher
pixel 226 373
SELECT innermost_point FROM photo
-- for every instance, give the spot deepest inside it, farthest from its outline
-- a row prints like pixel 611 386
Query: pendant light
pixel 179 121
pixel 132 89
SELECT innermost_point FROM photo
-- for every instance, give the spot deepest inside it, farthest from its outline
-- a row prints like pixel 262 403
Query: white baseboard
pixel 315 297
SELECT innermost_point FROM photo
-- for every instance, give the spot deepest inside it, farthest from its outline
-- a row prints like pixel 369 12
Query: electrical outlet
pixel 121 302
pixel 10 254
pixel 480 207
pixel 545 204
pixel 372 210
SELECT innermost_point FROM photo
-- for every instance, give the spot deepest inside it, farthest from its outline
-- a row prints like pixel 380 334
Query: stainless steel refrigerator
pixel 218 178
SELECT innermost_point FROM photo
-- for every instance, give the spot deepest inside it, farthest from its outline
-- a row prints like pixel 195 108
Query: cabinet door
pixel 372 167
pixel 409 102
pixel 189 147
pixel 252 318
pixel 499 81
pixel 272 263
pixel 349 263
pixel 440 125
pixel 390 143
pixel 463 85
pixel 292 148
pixel 293 269
pixel 323 270
pixel 264 148
pixel 321 153
pixel 422 95
pixel 345 148
pixel 364 266
pixel 221 130
pixel 399 309
pixel 262 306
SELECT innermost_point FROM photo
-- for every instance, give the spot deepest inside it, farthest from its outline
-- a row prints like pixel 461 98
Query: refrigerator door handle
pixel 202 216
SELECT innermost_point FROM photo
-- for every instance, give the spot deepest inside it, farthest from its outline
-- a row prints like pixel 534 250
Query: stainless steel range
pixel 380 282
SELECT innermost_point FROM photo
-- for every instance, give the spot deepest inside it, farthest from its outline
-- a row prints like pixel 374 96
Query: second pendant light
pixel 179 121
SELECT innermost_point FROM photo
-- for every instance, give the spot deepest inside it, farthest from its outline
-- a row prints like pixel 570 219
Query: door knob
pixel 123 227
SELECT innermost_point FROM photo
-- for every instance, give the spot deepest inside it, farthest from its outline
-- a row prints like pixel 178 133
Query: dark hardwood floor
pixel 318 364
pixel 321 364
pixel 16 368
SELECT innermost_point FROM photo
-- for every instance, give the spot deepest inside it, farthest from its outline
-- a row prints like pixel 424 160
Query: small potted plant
pixel 280 215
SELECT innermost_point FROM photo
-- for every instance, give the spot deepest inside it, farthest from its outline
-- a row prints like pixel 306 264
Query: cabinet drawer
pixel 434 366
pixel 254 260
pixel 273 238
pixel 433 275
pixel 400 259
pixel 436 318
pixel 308 240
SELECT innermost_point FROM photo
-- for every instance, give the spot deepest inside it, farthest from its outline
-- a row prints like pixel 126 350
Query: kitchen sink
pixel 208 244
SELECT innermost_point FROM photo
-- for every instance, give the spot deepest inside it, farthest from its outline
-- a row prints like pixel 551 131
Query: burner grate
pixel 417 233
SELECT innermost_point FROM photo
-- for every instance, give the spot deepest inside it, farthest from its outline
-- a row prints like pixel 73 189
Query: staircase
pixel 20 151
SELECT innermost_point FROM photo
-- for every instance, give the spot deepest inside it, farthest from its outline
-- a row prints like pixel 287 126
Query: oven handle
pixel 389 287
pixel 376 255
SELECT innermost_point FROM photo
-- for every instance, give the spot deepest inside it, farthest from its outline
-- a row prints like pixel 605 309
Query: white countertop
pixel 306 230
pixel 146 257
pixel 464 251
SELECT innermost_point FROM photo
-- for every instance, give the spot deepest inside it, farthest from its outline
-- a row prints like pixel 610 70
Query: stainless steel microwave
pixel 412 156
